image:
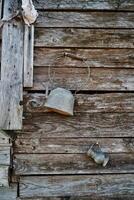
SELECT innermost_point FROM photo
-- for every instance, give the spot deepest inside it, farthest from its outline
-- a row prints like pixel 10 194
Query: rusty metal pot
pixel 61 101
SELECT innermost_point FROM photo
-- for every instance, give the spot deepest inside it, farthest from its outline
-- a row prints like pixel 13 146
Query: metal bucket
pixel 61 101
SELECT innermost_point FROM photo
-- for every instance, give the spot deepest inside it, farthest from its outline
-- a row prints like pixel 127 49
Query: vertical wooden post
pixel 28 55
pixel 11 83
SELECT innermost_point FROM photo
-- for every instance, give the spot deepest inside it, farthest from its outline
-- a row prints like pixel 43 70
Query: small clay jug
pixel 61 101
pixel 98 156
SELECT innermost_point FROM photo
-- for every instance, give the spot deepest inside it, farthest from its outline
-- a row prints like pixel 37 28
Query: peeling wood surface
pixel 76 79
pixel 34 164
pixel 8 193
pixel 81 125
pixel 88 38
pixel 90 103
pixel 4 182
pixel 11 72
pixel 109 58
pixel 86 19
pixel 83 5
pixel 117 186
pixel 65 145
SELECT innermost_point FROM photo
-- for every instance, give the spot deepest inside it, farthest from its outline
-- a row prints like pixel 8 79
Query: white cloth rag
pixel 30 14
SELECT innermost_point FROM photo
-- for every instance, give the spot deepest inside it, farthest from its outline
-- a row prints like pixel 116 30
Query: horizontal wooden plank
pixel 112 58
pixel 34 164
pixel 89 38
pixel 117 186
pixel 9 193
pixel 5 155
pixel 4 182
pixel 77 79
pixel 80 4
pixel 76 198
pixel 72 145
pixel 105 102
pixel 86 19
pixel 81 125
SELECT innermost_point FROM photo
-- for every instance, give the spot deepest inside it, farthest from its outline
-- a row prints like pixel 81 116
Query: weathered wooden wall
pixel 50 152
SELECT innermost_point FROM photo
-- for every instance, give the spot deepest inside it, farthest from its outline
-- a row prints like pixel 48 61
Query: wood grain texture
pixel 76 198
pixel 34 164
pixel 4 182
pixel 76 79
pixel 86 19
pixel 109 58
pixel 88 38
pixel 80 4
pixel 28 55
pixel 11 72
pixel 8 193
pixel 72 145
pixel 90 103
pixel 91 125
pixel 116 186
pixel 5 155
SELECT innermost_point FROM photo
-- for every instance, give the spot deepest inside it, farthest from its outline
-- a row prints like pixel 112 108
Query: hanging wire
pixel 86 62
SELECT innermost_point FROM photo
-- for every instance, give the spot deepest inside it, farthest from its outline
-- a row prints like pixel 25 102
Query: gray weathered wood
pixel 80 4
pixel 72 145
pixel 108 102
pixel 81 125
pixel 76 198
pixel 1 3
pixel 28 55
pixel 9 193
pixel 5 155
pixel 86 19
pixel 11 72
pixel 117 186
pixel 4 139
pixel 70 37
pixel 76 79
pixel 34 164
pixel 4 182
pixel 114 58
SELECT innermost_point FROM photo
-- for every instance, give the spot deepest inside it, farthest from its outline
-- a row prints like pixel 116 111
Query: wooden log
pixel 5 155
pixel 86 19
pixel 34 164
pixel 117 186
pixel 101 79
pixel 109 58
pixel 84 5
pixel 8 193
pixel 88 38
pixel 28 55
pixel 11 71
pixel 90 103
pixel 91 125
pixel 72 145
pixel 4 182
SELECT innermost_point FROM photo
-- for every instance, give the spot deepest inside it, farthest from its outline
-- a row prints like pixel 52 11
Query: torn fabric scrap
pixel 29 13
